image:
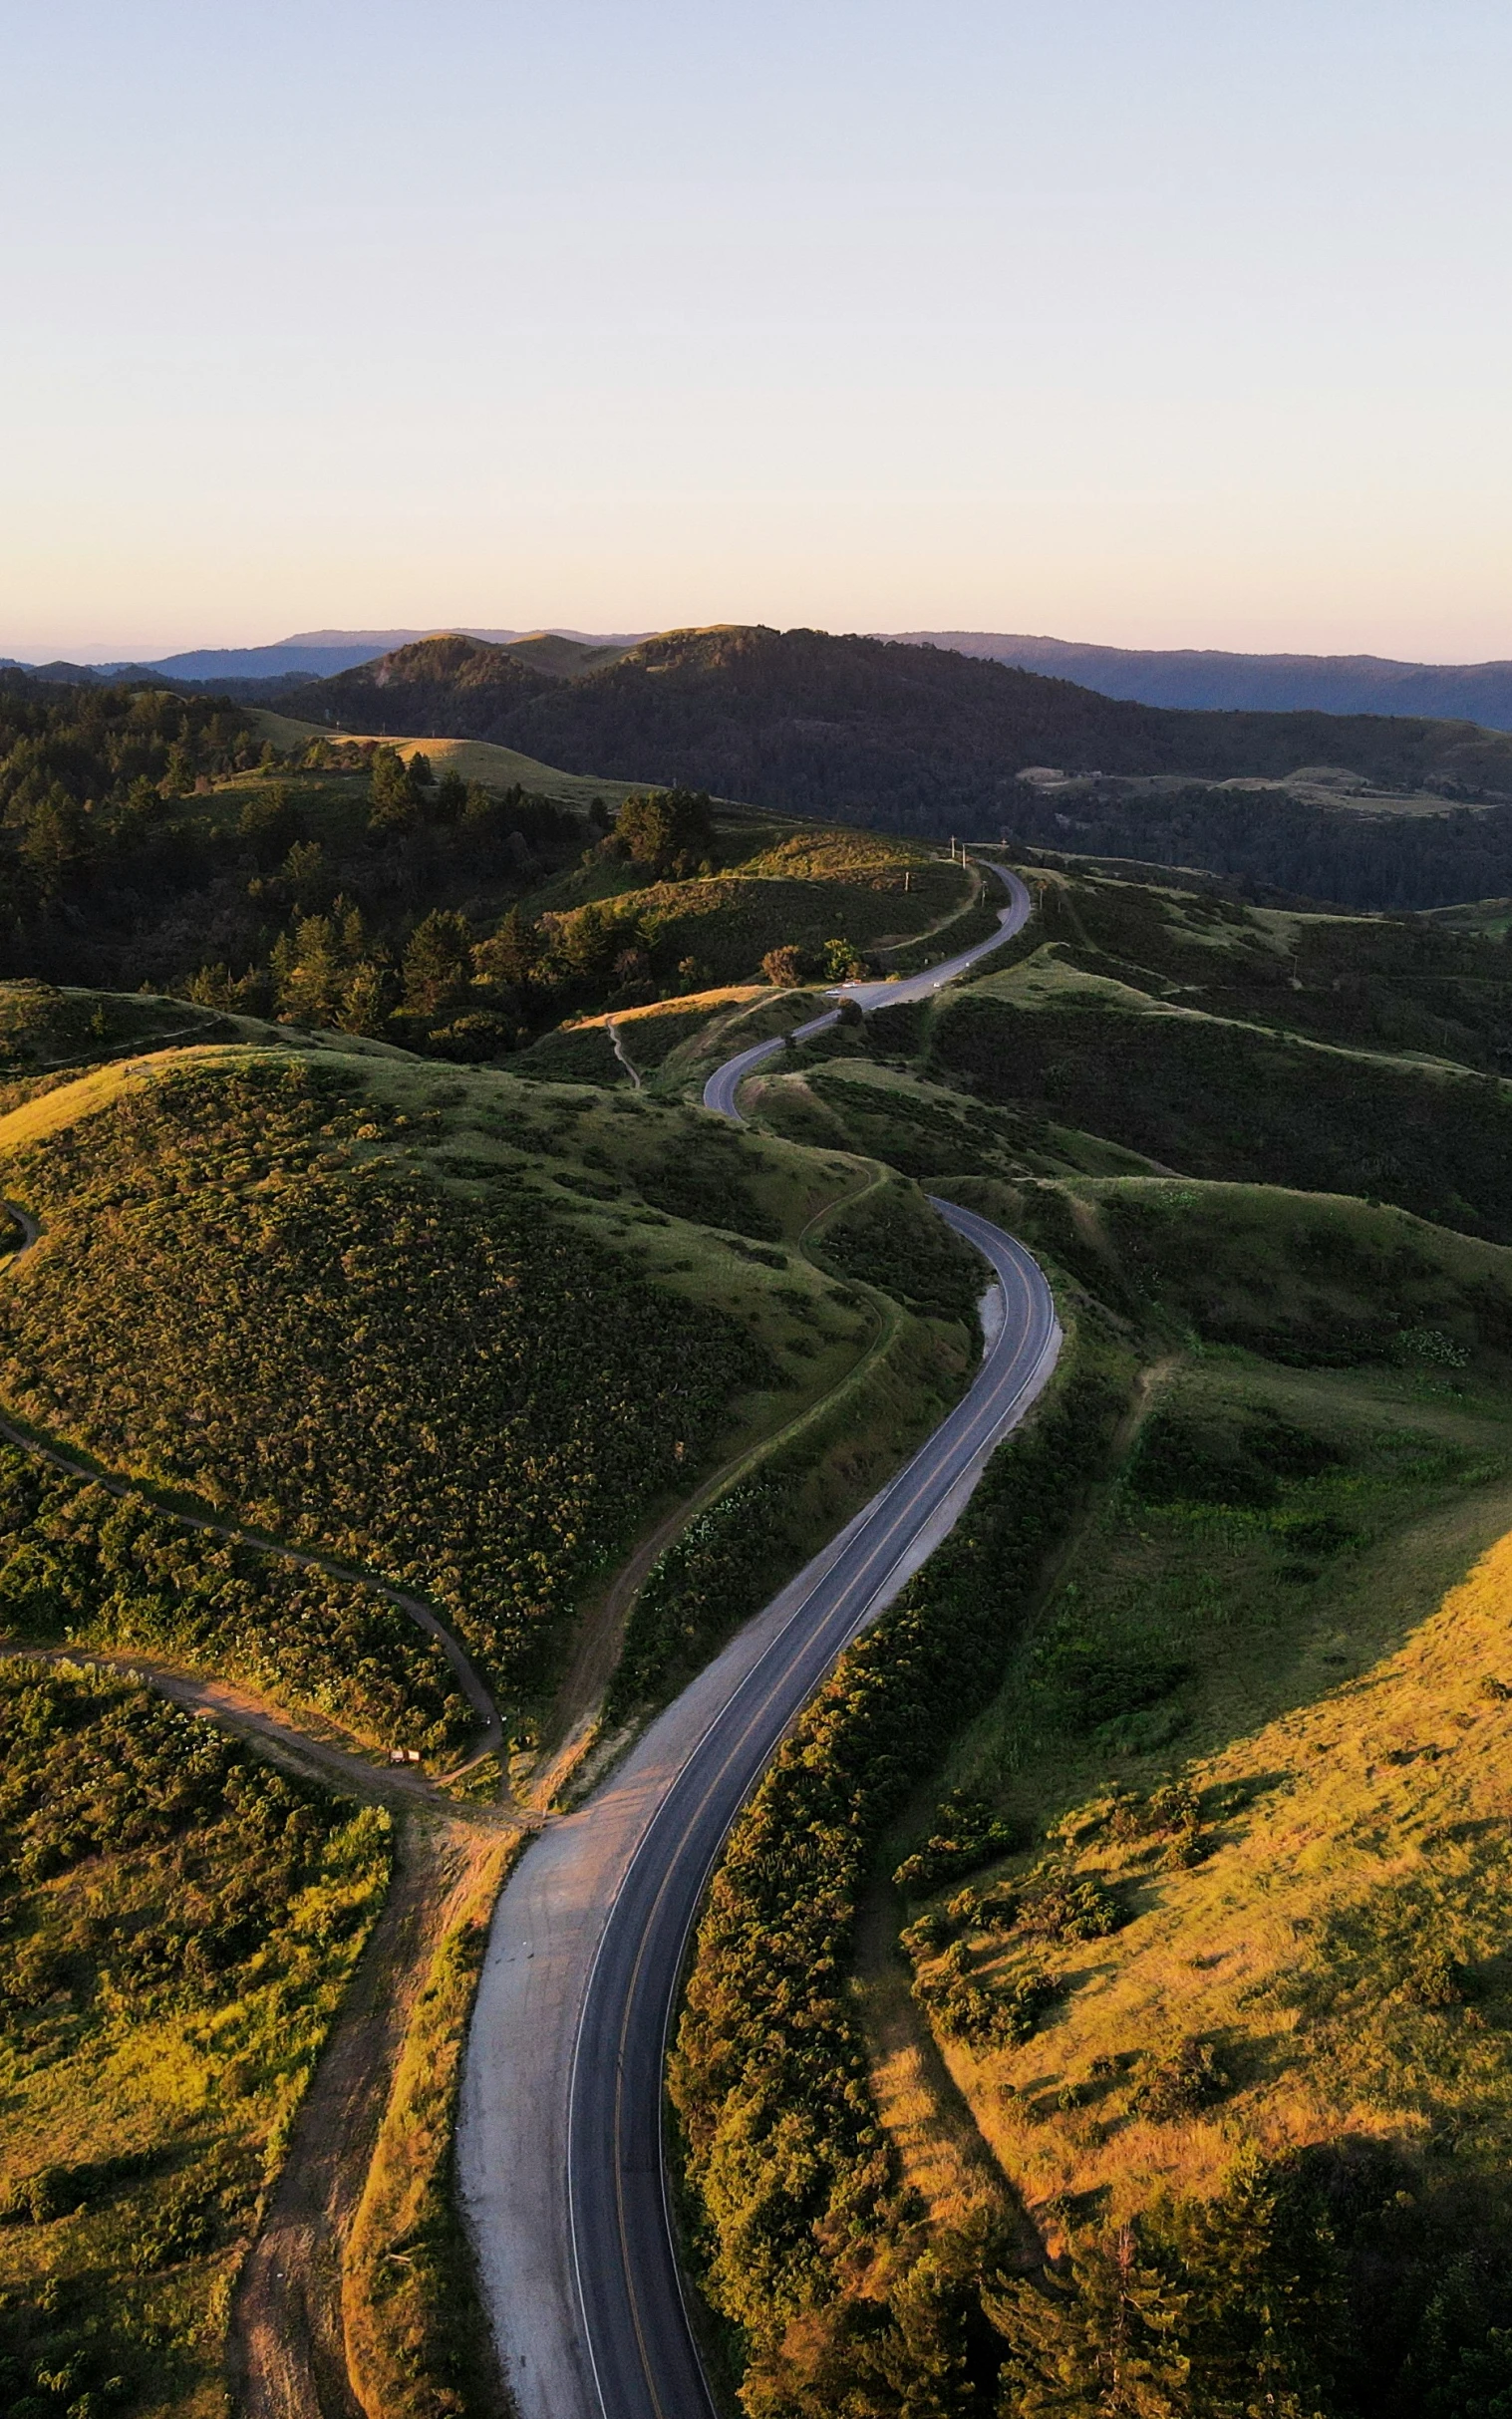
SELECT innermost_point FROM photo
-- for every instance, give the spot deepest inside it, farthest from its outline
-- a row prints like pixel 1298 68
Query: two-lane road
pixel 559 2144
pixel 639 2348
pixel 723 1085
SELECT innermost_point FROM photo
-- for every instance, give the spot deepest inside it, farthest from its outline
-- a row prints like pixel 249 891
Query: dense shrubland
pixel 237 1297
pixel 180 1922
pixel 1235 1102
pixel 1374 983
pixel 801 2218
pixel 716 1572
pixel 891 1238
pixel 1312 1281
pixel 82 1566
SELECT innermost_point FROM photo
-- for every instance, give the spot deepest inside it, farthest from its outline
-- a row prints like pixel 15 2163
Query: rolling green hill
pixel 1183 1969
pixel 1339 1053
pixel 463 1333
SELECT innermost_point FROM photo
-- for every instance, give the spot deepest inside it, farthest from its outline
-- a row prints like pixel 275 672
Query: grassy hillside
pixel 1222 1099
pixel 1210 1934
pixel 1162 1028
pixel 464 1333
pixel 1377 983
pixel 1192 1970
pixel 473 759
pixel 180 1923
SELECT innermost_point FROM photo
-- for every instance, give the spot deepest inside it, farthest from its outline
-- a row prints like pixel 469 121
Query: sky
pixel 1144 322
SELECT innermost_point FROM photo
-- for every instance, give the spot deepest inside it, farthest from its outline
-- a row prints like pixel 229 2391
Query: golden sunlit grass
pixel 475 760
pixel 1350 1752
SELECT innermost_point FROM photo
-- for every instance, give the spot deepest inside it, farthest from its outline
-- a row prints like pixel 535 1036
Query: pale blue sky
pixel 1155 322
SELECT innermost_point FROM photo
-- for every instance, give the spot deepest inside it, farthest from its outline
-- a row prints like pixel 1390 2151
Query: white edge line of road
pixel 909 1563
pixel 944 1519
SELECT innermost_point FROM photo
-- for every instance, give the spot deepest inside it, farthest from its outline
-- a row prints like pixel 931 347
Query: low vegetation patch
pixel 79 1564
pixel 796 2187
pixel 180 1920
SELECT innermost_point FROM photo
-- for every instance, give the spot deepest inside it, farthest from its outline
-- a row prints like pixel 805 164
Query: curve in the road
pixel 559 2146
pixel 640 2345
pixel 724 1084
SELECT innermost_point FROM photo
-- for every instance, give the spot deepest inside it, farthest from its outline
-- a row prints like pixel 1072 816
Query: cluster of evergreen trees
pixel 1270 840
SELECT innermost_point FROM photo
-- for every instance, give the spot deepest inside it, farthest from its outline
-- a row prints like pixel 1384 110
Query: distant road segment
pixel 723 1085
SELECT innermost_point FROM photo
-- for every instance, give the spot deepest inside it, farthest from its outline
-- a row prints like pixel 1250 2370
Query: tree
pixel 513 953
pixel 304 870
pixel 785 967
pixel 310 982
pixel 670 830
pixel 392 793
pixel 844 961
pixel 1099 2340
pixel 270 824
pixel 437 963
pixel 451 796
pixel 363 1001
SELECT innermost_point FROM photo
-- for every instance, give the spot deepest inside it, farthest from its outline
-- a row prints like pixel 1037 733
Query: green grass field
pixel 475 760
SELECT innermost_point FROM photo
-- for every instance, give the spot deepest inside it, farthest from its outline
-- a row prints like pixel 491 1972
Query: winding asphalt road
pixel 561 2145
pixel 720 1089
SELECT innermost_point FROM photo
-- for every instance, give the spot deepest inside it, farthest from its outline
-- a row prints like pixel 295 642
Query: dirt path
pixel 319 1752
pixel 622 1054
pixel 287 2347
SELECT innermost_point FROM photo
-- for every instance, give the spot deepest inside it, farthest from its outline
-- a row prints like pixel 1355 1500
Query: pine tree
pixel 1101 2340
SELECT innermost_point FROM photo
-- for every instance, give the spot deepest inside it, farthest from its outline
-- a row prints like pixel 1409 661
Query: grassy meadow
pixel 472 760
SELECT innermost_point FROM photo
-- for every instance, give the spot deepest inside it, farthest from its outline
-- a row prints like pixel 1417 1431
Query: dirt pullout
pixel 287 2351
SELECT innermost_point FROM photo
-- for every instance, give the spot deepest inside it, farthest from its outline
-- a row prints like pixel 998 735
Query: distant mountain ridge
pixel 873 731
pixel 311 654
pixel 1208 678
pixel 1191 679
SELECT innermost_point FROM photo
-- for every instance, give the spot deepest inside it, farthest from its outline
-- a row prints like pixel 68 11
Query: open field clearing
pixel 473 759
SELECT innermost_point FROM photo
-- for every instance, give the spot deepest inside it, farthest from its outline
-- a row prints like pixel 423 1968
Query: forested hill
pixel 916 739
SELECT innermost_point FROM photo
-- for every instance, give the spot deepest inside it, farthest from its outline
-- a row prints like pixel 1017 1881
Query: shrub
pixel 768 2075
pixel 1180 2083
